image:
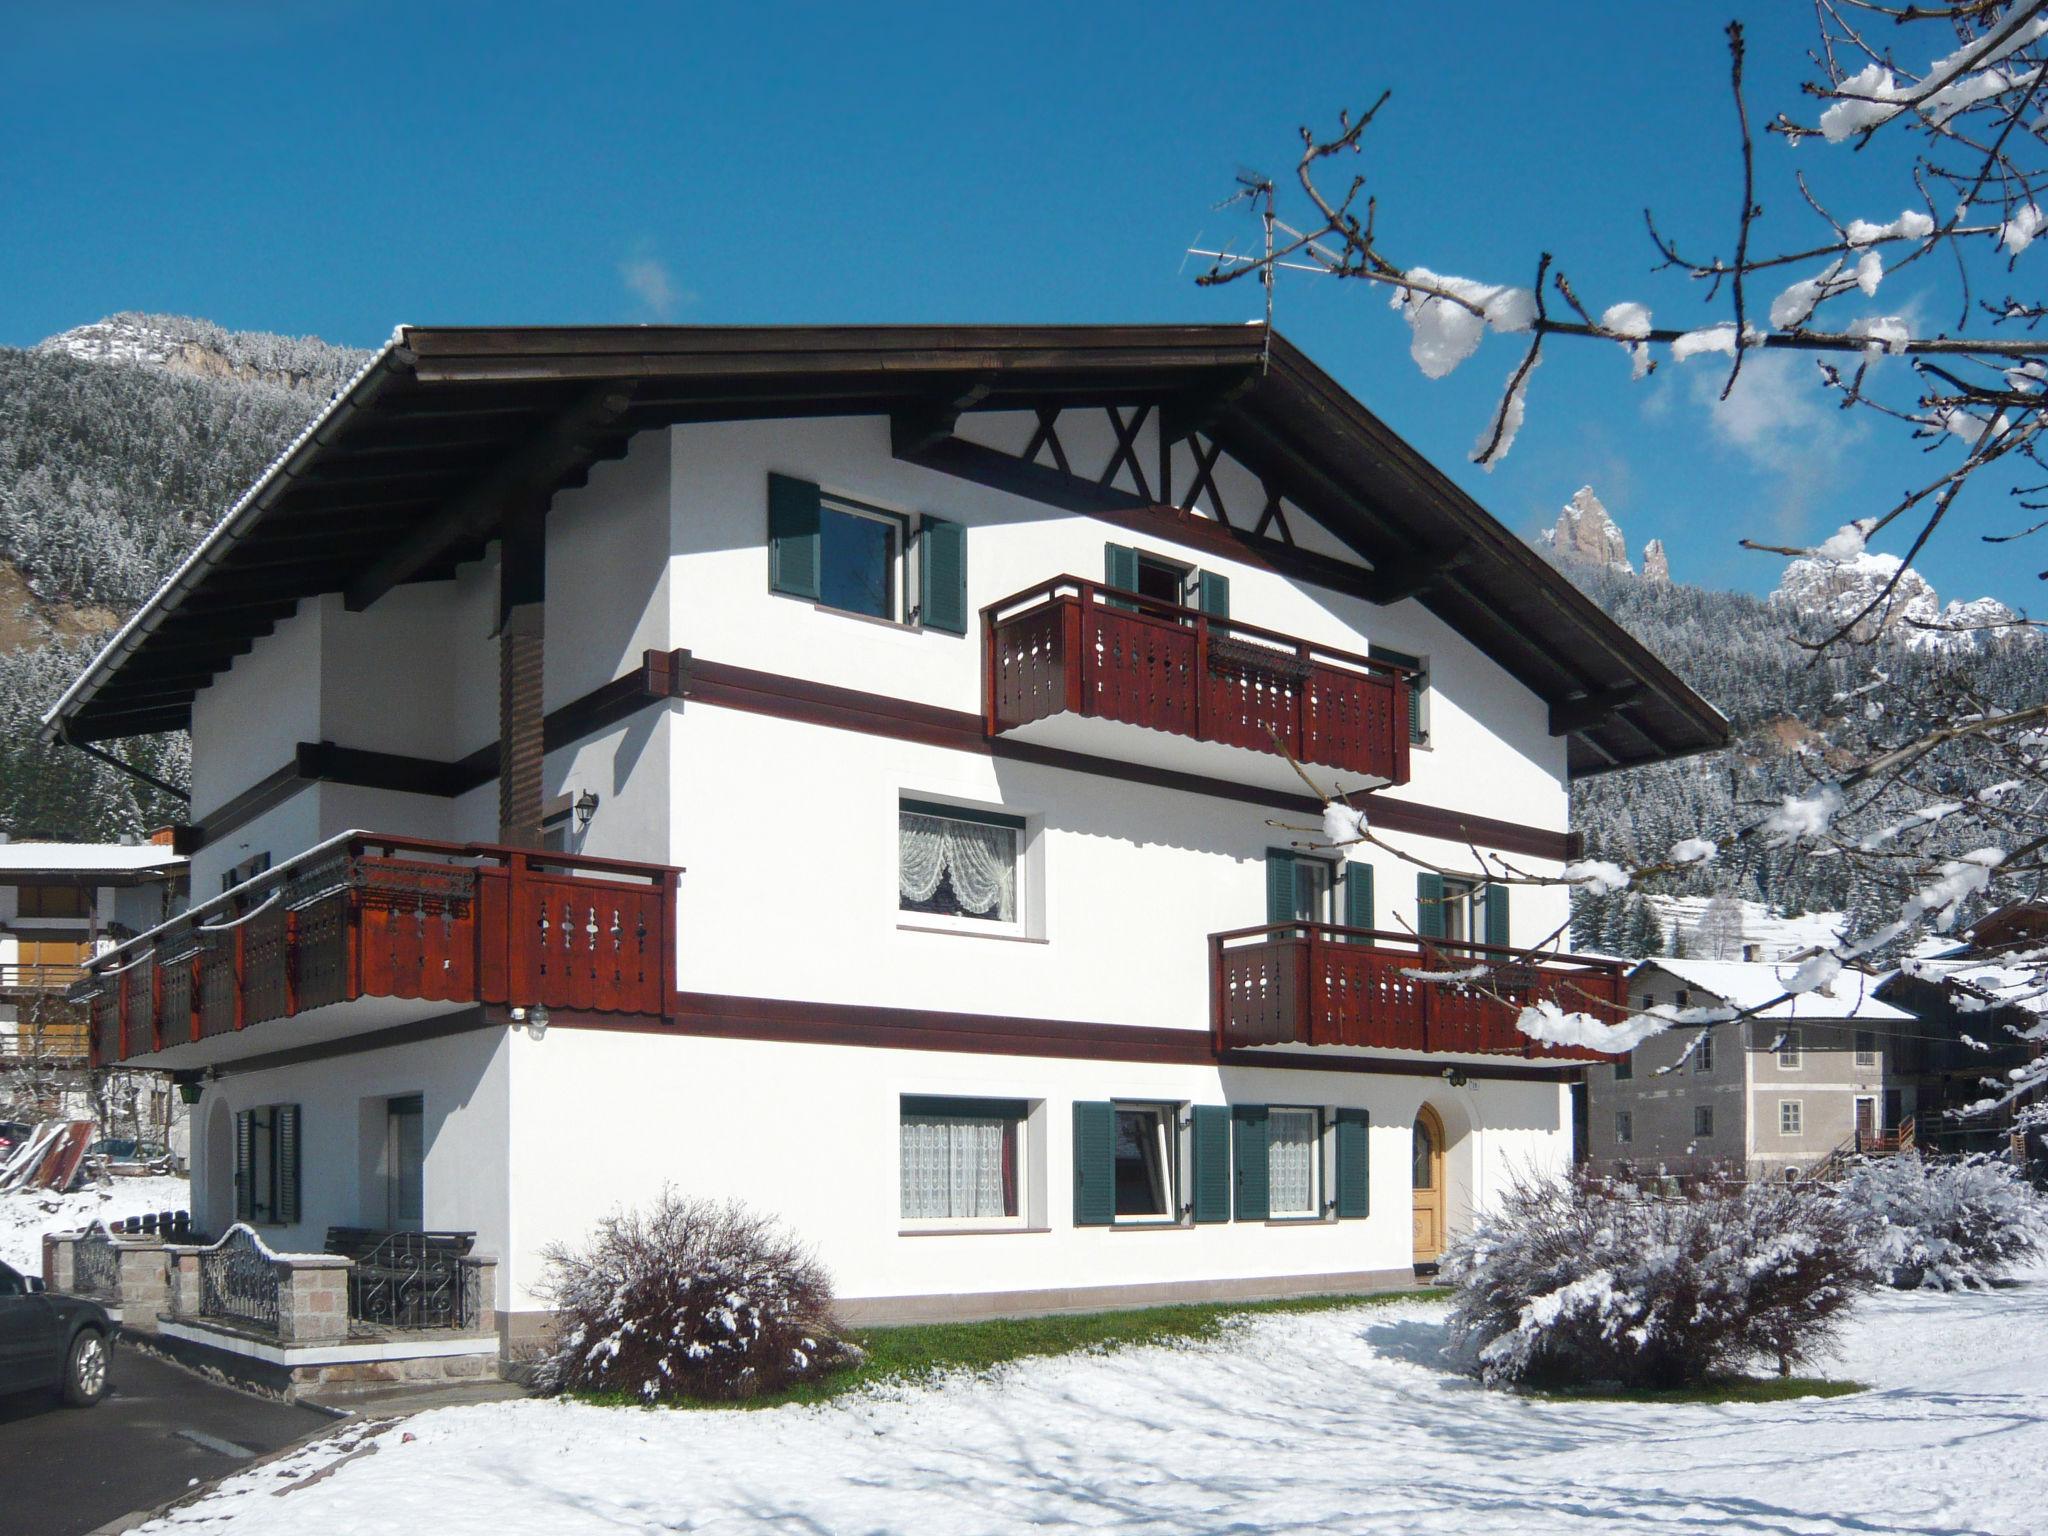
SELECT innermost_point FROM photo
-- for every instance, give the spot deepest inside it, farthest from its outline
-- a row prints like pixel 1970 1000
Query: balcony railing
pixel 1317 984
pixel 37 976
pixel 367 915
pixel 1072 646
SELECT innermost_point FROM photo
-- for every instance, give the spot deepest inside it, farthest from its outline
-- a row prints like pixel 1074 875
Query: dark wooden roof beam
pixel 1592 709
pixel 528 476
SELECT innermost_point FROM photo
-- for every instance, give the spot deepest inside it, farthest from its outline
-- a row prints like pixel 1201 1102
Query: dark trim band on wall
pixel 795 698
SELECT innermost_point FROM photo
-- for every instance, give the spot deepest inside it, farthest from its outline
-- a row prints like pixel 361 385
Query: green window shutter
pixel 1249 1122
pixel 1429 905
pixel 1120 570
pixel 1358 895
pixel 1497 914
pixel 1279 886
pixel 1212 1162
pixel 942 560
pixel 285 1131
pixel 245 1168
pixel 1354 1183
pixel 792 536
pixel 1213 594
pixel 1094 1164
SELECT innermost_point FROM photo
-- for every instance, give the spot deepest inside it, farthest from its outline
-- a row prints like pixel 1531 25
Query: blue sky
pixel 335 169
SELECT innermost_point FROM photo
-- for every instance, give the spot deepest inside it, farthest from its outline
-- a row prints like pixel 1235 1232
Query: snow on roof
pixel 1752 985
pixel 117 858
pixel 1775 935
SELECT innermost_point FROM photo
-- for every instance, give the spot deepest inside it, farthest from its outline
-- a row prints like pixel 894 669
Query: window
pixel 405 1163
pixel 1866 1048
pixel 1463 914
pixel 1293 1145
pixel 1790 1054
pixel 55 901
pixel 1624 1127
pixel 1162 580
pixel 958 865
pixel 861 558
pixel 248 869
pixel 1147 1162
pixel 1791 1117
pixel 1418 689
pixel 1703 1121
pixel 1684 997
pixel 1703 1053
pixel 961 1159
pixel 1625 1067
pixel 267 1164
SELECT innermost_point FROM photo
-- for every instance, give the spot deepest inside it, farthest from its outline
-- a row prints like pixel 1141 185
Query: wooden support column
pixel 522 633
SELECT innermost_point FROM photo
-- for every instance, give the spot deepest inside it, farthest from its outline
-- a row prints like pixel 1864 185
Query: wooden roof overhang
pixel 410 470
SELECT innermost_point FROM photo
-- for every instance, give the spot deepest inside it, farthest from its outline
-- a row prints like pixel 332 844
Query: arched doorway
pixel 1428 1180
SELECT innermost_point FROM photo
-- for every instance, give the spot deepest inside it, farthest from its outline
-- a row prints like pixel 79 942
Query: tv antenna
pixel 1256 189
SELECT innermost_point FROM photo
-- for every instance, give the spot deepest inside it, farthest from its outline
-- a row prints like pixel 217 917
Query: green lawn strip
pixel 922 1352
pixel 1721 1389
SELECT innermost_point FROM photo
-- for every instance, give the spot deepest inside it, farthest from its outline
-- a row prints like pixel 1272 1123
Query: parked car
pixel 13 1133
pixel 51 1341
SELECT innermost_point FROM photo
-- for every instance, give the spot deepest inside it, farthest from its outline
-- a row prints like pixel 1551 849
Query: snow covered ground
pixel 1339 1421
pixel 25 1215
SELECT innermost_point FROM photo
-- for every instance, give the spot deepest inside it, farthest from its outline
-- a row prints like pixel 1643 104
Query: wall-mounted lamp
pixel 586 807
pixel 536 1020
pixel 1455 1078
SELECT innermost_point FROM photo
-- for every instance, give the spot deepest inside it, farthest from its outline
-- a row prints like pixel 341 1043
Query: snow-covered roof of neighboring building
pixel 1754 985
pixel 42 858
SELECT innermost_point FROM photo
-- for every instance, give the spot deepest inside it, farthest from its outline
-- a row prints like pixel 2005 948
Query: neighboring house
pixel 843 769
pixel 60 903
pixel 1777 1092
pixel 1982 1007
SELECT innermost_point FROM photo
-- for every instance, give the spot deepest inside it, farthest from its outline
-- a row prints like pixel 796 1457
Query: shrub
pixel 1583 1280
pixel 690 1298
pixel 1945 1224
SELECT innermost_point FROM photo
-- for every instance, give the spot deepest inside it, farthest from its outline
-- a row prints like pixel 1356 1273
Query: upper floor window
pixel 247 870
pixel 1791 1052
pixel 55 901
pixel 958 864
pixel 1172 582
pixel 1418 689
pixel 855 557
pixel 1866 1048
pixel 1703 1053
pixel 1460 910
pixel 1624 1067
pixel 1624 1127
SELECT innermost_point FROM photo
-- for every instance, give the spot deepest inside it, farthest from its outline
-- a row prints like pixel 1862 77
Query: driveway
pixel 67 1471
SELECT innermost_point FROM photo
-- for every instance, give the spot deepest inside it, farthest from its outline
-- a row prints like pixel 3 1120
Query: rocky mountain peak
pixel 1585 532
pixel 178 344
pixel 1656 566
pixel 1835 591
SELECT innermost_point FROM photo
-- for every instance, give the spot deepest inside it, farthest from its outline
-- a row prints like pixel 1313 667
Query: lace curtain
pixel 1290 1163
pixel 956 1168
pixel 978 860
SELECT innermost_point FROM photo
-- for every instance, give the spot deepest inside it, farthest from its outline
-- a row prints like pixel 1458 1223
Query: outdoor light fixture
pixel 1455 1078
pixel 537 1021
pixel 586 807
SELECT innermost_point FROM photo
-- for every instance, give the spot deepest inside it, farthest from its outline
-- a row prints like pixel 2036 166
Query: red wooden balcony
pixel 1076 649
pixel 369 916
pixel 1316 984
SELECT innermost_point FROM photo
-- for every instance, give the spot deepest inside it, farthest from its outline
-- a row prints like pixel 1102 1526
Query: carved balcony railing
pixel 368 915
pixel 1070 646
pixel 1317 984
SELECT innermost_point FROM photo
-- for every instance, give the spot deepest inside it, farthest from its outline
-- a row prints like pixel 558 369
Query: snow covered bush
pixel 1944 1225
pixel 688 1298
pixel 1587 1280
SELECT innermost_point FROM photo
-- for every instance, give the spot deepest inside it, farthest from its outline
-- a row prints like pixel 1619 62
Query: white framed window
pixel 1463 910
pixel 1791 1117
pixel 863 559
pixel 1147 1166
pixel 1703 1053
pixel 1791 1049
pixel 1624 1127
pixel 962 1162
pixel 1703 1122
pixel 959 868
pixel 1294 1162
pixel 1866 1047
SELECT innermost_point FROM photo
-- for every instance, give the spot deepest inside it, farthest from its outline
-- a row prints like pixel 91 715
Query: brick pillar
pixel 181 1271
pixel 312 1299
pixel 145 1287
pixel 59 1272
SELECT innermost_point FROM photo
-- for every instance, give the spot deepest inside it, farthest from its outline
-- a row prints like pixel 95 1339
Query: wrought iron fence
pixel 96 1264
pixel 238 1281
pixel 415 1280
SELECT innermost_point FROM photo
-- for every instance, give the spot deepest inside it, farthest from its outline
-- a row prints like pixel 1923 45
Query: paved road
pixel 66 1471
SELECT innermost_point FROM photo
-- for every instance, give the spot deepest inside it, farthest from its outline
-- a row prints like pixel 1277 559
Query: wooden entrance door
pixel 1866 1120
pixel 1429 1186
